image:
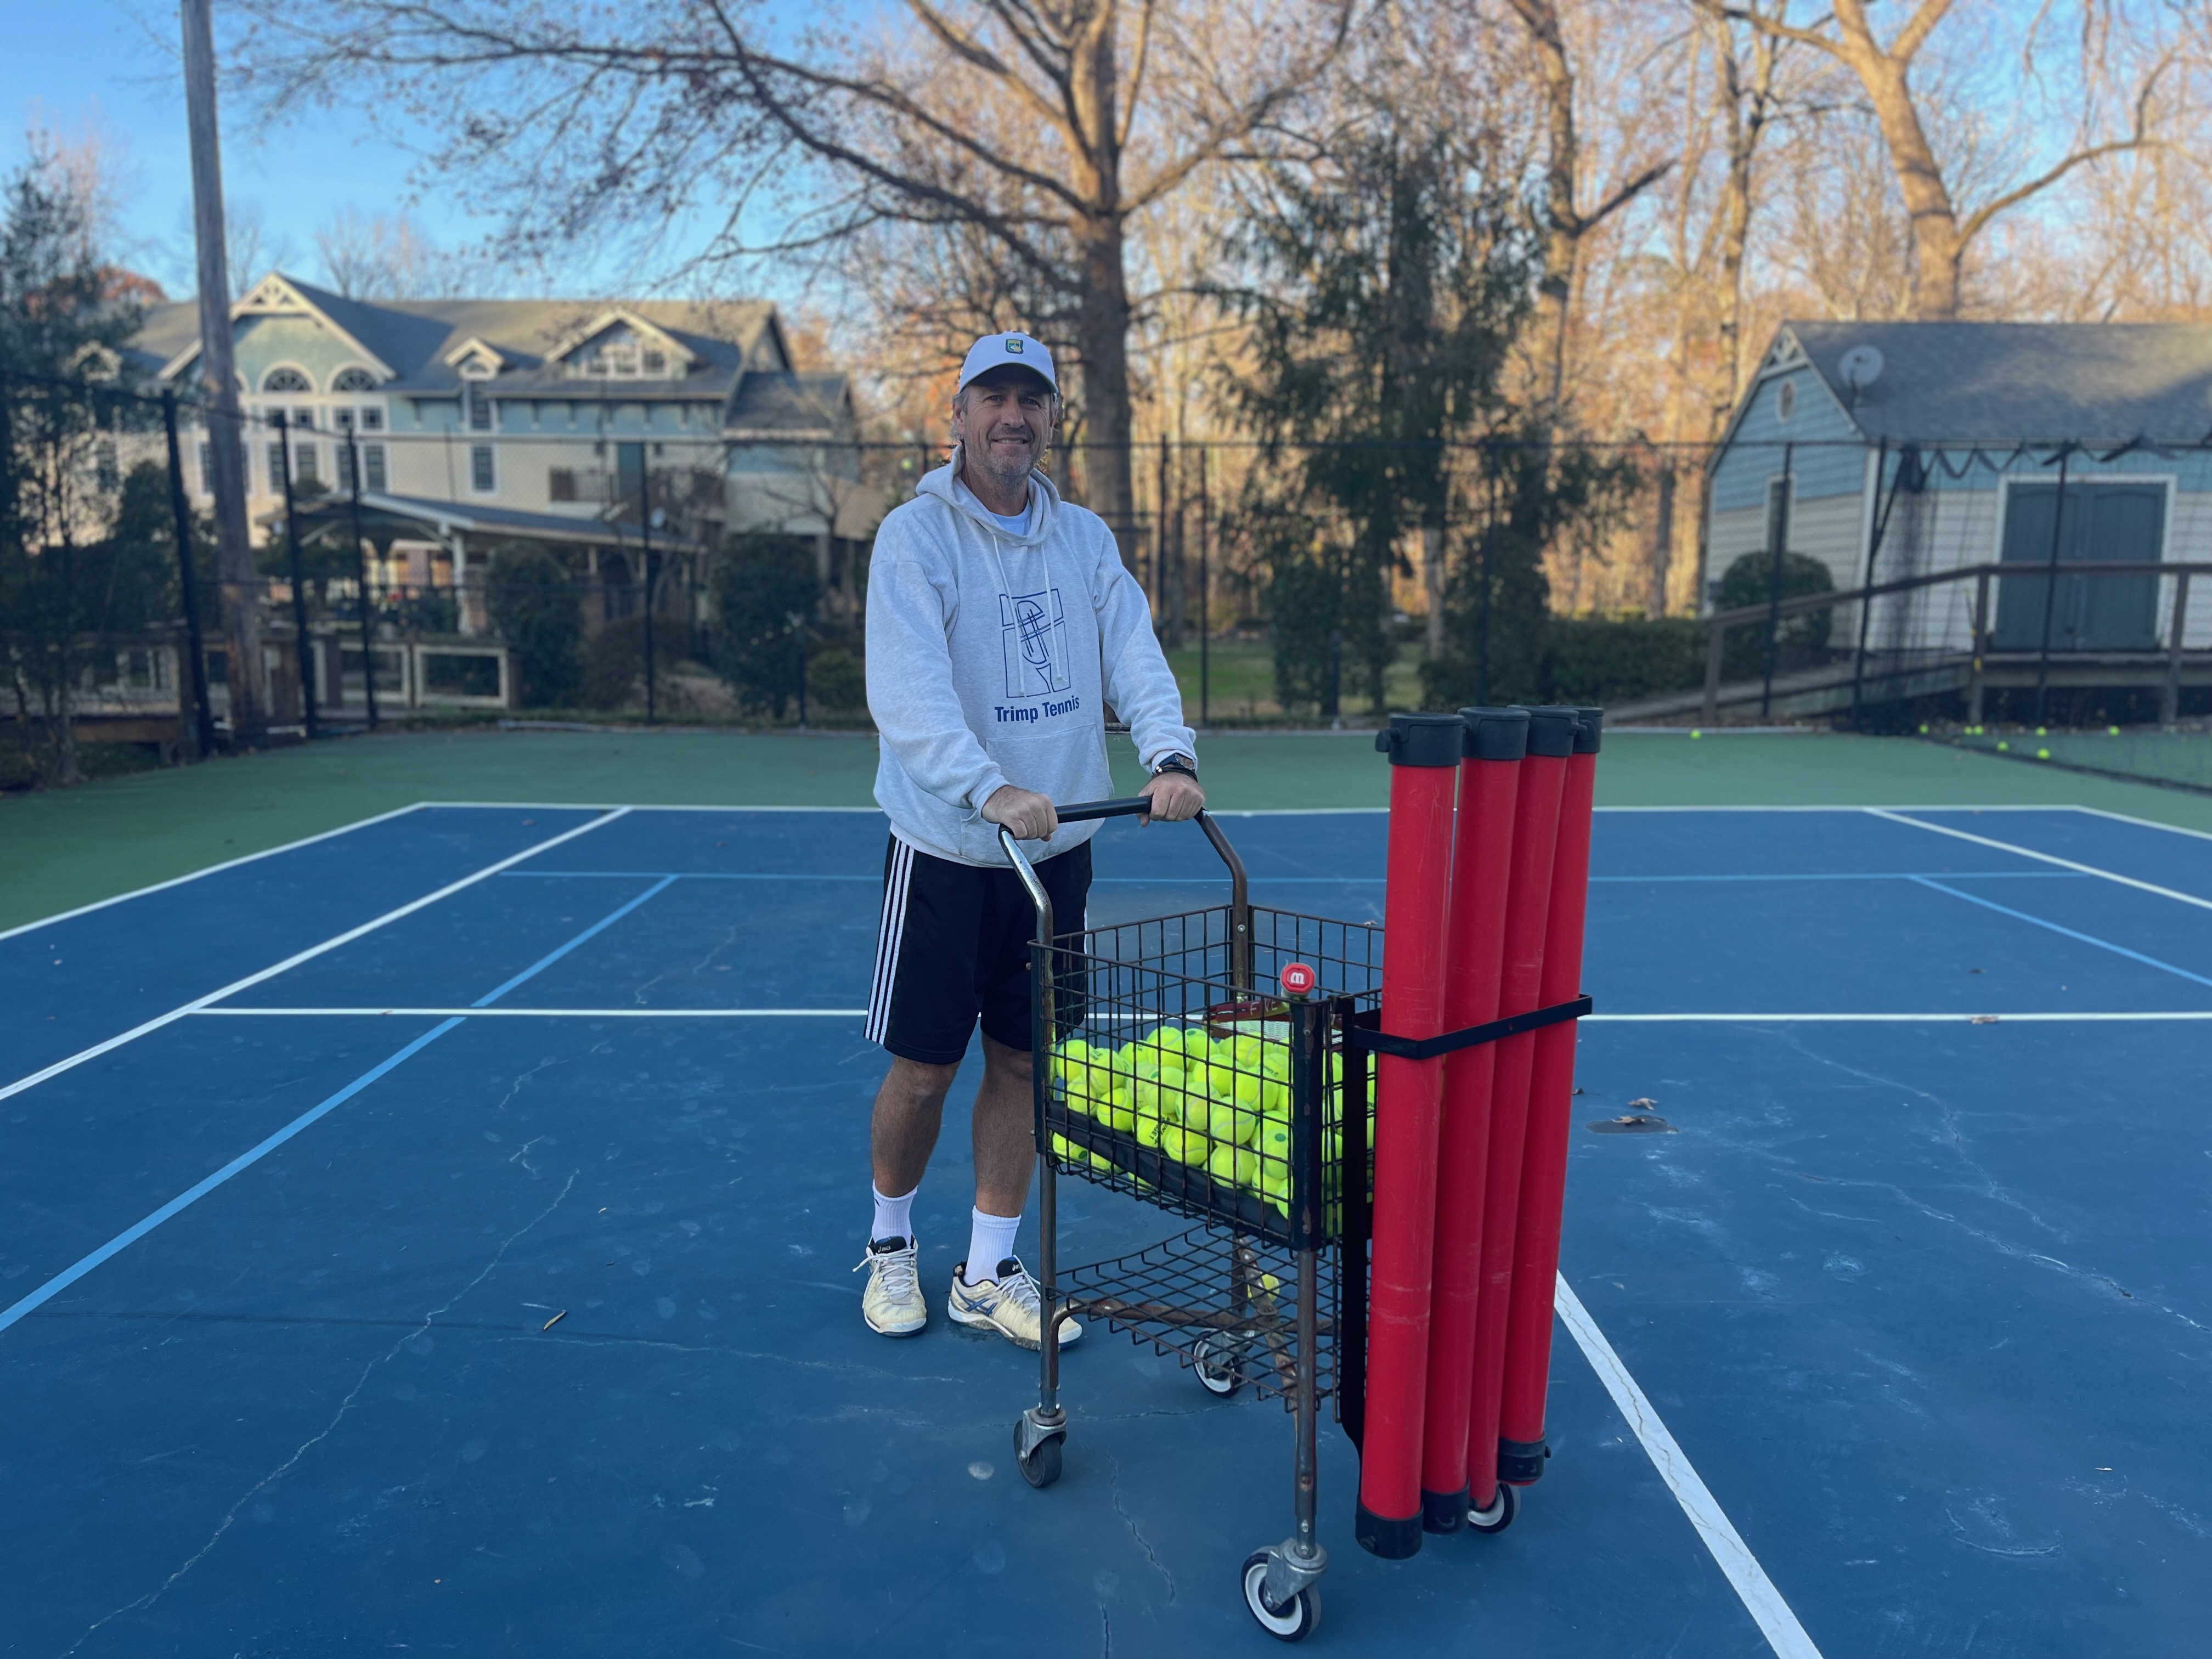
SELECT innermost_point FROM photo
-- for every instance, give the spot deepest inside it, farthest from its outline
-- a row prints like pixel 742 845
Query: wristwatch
pixel 1183 764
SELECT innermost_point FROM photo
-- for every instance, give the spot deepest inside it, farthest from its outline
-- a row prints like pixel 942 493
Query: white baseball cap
pixel 997 350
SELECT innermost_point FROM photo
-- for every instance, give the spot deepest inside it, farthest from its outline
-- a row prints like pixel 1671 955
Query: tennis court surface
pixel 434 1237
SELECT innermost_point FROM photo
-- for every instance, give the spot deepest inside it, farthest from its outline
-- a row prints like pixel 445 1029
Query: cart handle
pixel 1084 811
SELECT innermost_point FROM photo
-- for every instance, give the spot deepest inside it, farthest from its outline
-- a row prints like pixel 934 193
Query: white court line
pixel 1896 815
pixel 1749 1580
pixel 2045 1017
pixel 213 869
pixel 2145 823
pixel 347 938
pixel 553 1013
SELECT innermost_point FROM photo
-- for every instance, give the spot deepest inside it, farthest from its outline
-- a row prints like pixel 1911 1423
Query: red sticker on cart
pixel 1298 979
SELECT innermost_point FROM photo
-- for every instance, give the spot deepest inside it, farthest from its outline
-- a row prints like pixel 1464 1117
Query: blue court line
pixel 2086 939
pixel 69 1276
pixel 1303 881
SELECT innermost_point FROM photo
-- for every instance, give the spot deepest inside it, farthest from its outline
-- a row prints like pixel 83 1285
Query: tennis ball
pixel 1119 1113
pixel 1185 1145
pixel 1276 1101
pixel 1226 1120
pixel 1246 1051
pixel 2043 754
pixel 1150 1129
pixel 1274 1141
pixel 1695 733
pixel 1234 1165
pixel 2002 747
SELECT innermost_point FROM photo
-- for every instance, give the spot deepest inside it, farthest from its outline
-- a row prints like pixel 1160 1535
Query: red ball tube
pixel 1425 754
pixel 1521 1449
pixel 1482 849
pixel 1527 911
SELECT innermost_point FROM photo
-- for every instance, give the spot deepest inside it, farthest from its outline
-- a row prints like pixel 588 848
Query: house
pixel 1894 451
pixel 594 426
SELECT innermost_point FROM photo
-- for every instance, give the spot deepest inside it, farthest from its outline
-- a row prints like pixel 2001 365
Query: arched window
pixel 353 379
pixel 286 379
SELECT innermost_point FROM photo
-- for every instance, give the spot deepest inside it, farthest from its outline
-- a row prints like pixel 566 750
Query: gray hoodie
pixel 991 658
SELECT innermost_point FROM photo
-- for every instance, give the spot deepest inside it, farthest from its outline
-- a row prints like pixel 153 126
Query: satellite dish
pixel 1860 367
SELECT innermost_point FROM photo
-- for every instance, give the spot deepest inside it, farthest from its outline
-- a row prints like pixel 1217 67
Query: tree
pixel 375 256
pixel 67 584
pixel 535 609
pixel 1943 231
pixel 1027 137
pixel 1388 281
pixel 765 593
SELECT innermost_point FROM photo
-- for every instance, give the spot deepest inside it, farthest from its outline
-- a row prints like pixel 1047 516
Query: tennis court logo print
pixel 1033 641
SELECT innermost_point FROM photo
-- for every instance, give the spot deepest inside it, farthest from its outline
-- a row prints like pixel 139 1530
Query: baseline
pixel 2043 1017
pixel 295 960
pixel 1761 1600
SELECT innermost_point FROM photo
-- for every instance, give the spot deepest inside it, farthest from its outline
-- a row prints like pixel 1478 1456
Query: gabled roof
pixel 619 316
pixel 2010 383
pixel 407 341
pixel 773 403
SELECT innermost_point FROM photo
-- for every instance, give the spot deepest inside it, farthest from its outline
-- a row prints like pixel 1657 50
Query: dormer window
pixel 286 379
pixel 353 379
pixel 622 361
pixel 654 361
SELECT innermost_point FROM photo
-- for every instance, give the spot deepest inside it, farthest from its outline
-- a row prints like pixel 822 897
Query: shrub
pixel 764 588
pixel 534 609
pixel 1589 660
pixel 614 664
pixel 1802 640
pixel 836 681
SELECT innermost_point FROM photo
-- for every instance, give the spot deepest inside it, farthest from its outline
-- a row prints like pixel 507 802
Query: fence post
pixel 644 552
pixel 2169 704
pixel 1716 633
pixel 302 646
pixel 203 716
pixel 1780 534
pixel 1205 592
pixel 2051 590
pixel 1974 688
pixel 1879 523
pixel 360 578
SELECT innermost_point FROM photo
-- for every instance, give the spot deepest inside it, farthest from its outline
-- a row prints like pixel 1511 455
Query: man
pixel 1000 623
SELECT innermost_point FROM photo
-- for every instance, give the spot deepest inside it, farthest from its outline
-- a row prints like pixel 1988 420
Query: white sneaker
pixel 1008 1304
pixel 892 1304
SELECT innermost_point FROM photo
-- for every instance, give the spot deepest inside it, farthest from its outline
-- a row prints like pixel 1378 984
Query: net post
pixel 1493 744
pixel 203 718
pixel 2169 702
pixel 1424 759
pixel 1528 1351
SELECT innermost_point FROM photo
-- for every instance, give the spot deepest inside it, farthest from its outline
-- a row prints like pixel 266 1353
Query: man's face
pixel 1004 422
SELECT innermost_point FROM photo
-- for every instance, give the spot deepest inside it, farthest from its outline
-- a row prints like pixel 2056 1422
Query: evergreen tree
pixel 765 593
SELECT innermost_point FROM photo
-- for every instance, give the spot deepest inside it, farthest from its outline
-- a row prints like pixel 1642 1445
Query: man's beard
pixel 1004 468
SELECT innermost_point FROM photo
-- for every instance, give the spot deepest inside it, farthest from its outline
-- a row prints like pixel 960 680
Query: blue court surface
pixel 434 1238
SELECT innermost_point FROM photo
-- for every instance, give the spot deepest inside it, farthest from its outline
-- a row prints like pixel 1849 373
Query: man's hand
pixel 1029 817
pixel 1175 798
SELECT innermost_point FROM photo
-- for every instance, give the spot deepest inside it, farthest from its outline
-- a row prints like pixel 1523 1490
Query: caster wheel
pixel 1217 1360
pixel 1041 1466
pixel 1500 1516
pixel 1293 1621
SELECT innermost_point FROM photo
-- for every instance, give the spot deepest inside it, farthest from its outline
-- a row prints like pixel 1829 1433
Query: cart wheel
pixel 1041 1466
pixel 1218 1359
pixel 1500 1516
pixel 1292 1622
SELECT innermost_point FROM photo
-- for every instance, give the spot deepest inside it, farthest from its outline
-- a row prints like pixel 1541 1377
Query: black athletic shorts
pixel 954 945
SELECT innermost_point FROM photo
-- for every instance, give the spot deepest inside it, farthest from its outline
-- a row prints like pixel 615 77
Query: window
pixel 483 477
pixel 353 379
pixel 372 420
pixel 344 454
pixel 285 380
pixel 372 465
pixel 342 420
pixel 106 469
pixel 622 360
pixel 276 469
pixel 206 467
pixel 304 418
pixel 654 361
pixel 561 484
pixel 304 460
pixel 479 410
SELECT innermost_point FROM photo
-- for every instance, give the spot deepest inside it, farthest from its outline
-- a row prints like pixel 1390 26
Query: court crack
pixel 1113 1485
pixel 307 1445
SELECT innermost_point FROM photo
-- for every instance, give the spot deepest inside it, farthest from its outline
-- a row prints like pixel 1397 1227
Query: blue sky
pixel 71 59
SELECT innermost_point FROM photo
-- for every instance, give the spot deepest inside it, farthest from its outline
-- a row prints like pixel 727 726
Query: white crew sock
pixel 893 1217
pixel 990 1241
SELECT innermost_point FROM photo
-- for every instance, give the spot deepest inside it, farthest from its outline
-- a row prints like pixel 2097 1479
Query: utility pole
pixel 180 513
pixel 303 646
pixel 241 612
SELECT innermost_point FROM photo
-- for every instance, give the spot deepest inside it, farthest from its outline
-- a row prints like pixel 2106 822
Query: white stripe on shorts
pixel 889 932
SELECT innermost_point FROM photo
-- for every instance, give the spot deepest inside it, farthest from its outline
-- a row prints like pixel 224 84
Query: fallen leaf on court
pixel 1986 1019
pixel 556 1320
pixel 1643 1103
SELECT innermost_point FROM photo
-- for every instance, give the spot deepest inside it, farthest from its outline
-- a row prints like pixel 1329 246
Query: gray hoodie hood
pixel 992 656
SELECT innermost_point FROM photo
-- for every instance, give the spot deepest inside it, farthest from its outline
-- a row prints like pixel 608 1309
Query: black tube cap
pixel 1421 739
pixel 1522 1461
pixel 1552 731
pixel 1391 1537
pixel 1588 730
pixel 1443 1511
pixel 1495 734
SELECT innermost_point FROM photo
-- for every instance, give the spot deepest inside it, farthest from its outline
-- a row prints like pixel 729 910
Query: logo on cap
pixel 1013 345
